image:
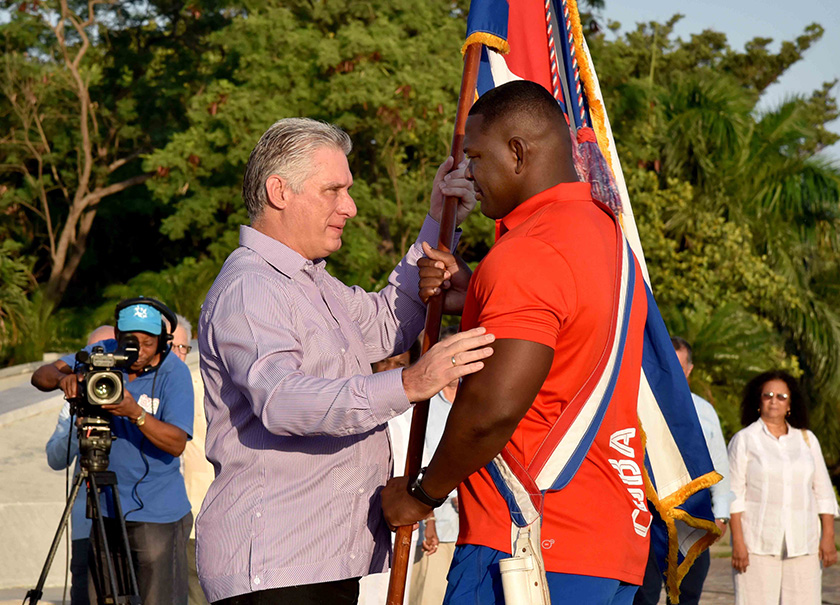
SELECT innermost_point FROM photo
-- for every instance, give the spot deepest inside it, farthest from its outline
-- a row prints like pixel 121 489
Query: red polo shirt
pixel 550 279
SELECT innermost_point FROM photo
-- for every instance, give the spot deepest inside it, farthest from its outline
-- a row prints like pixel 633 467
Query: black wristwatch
pixel 416 490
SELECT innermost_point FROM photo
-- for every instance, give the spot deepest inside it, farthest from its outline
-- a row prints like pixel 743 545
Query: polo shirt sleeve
pixel 177 399
pixel 525 290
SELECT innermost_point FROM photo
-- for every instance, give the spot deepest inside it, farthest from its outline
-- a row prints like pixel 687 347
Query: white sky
pixel 743 20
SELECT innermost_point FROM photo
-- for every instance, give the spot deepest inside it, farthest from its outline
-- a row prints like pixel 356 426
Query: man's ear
pixel 518 148
pixel 277 191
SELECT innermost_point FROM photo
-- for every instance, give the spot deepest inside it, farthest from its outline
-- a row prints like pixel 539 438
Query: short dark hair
pixel 520 99
pixel 681 344
pixel 751 402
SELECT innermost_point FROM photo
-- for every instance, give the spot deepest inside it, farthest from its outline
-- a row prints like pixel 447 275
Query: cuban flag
pixel 543 41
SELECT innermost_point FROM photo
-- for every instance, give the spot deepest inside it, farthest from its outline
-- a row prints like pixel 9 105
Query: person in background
pixel 373 588
pixel 181 338
pixel 62 450
pixel 197 471
pixel 782 518
pixel 438 533
pixel 692 585
pixel 151 424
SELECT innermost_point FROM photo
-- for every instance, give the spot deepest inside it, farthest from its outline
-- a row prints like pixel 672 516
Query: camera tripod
pixel 111 567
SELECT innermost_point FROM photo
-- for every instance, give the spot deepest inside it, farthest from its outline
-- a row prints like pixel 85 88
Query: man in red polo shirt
pixel 553 412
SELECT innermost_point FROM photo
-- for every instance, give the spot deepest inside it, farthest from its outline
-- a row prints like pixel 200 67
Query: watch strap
pixel 415 489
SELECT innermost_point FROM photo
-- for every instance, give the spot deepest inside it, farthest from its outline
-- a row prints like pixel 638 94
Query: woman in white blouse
pixel 782 519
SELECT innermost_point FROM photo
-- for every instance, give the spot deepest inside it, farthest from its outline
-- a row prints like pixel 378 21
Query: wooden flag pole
pixel 434 313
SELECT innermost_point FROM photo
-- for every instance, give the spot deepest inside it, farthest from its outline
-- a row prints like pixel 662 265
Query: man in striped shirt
pixel 296 421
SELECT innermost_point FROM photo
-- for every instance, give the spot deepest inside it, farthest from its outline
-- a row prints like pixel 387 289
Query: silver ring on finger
pixel 454 363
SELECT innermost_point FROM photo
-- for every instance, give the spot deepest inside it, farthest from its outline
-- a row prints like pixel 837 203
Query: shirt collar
pixel 276 253
pixel 564 192
pixel 766 430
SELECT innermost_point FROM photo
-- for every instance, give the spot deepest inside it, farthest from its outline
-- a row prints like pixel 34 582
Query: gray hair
pixel 286 150
pixel 184 323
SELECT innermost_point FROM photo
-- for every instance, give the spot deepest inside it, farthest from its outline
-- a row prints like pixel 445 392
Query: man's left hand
pixel 449 182
pixel 128 407
pixel 399 507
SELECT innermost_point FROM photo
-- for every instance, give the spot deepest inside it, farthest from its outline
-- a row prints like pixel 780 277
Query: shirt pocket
pixel 356 494
pixel 325 352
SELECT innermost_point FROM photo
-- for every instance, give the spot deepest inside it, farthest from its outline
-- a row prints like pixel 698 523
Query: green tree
pixel 77 112
pixel 687 112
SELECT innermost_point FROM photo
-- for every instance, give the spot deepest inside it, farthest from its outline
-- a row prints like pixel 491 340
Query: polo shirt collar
pixel 276 253
pixel 564 192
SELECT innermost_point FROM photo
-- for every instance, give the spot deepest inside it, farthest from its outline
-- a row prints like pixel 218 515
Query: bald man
pixel 557 291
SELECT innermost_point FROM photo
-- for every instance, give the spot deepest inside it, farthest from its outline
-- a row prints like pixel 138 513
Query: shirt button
pixel 259 515
pixel 256 580
pixel 361 490
pixel 343 351
pixel 352 556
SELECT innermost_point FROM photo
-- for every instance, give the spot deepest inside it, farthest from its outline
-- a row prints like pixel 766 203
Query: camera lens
pixel 104 388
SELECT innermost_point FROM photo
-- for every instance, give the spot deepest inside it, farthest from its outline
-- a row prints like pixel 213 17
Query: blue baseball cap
pixel 139 318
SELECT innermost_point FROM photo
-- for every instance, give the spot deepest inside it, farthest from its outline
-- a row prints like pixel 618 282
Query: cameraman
pixel 152 425
pixel 62 449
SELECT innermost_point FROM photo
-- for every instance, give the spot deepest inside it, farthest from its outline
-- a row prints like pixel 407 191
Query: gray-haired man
pixel 296 422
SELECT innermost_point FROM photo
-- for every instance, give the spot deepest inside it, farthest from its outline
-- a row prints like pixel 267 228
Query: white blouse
pixel 781 486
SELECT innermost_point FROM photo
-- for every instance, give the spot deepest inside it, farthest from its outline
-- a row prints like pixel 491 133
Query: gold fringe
pixel 596 108
pixel 490 40
pixel 669 513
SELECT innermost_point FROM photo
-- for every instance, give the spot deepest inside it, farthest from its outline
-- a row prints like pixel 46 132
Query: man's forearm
pixel 486 412
pixel 48 377
pixel 164 436
pixel 463 451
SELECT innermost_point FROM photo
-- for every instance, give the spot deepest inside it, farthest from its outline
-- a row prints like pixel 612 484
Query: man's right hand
pixel 450 359
pixel 70 385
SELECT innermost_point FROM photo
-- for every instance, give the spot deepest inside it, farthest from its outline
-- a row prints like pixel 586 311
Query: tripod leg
pixel 35 594
pixel 102 542
pixel 135 590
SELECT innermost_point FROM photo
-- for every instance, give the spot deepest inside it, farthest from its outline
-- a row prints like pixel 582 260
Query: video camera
pixel 102 384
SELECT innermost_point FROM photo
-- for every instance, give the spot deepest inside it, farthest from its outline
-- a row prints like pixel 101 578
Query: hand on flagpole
pixel 454 183
pixel 443 271
pixel 399 507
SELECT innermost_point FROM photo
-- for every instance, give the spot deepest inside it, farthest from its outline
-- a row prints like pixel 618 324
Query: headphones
pixel 165 335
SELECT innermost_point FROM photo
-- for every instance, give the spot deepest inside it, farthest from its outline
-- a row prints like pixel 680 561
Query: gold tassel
pixel 669 513
pixel 489 40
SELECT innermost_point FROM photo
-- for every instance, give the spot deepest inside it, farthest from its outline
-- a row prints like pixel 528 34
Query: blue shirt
pixel 149 480
pixel 58 459
pixel 722 494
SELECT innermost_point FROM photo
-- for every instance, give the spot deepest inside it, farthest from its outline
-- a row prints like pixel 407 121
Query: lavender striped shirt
pixel 296 422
